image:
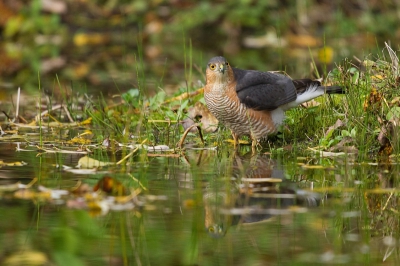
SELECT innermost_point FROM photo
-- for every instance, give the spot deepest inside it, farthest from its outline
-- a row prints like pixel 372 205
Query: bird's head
pixel 218 70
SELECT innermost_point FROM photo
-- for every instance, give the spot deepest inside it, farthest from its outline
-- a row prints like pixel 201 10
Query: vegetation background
pixel 160 48
pixel 119 44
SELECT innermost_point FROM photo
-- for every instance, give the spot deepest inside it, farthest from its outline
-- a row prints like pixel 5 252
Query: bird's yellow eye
pixel 227 64
pixel 213 66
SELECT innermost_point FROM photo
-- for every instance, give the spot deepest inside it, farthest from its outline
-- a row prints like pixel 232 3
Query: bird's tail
pixel 308 90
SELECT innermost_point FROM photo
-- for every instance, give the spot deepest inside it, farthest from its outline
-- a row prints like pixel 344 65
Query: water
pixel 209 207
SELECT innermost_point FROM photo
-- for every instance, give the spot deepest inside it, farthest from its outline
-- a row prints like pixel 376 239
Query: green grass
pixel 153 118
pixel 136 115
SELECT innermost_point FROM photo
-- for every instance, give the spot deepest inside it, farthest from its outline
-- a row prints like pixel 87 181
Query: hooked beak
pixel 222 68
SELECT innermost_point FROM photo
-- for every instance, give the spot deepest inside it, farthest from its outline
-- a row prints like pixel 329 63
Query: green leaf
pixel 345 133
pixel 131 96
pixel 393 113
pixel 353 133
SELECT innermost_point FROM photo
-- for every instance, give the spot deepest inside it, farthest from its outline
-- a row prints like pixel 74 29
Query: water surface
pixel 206 207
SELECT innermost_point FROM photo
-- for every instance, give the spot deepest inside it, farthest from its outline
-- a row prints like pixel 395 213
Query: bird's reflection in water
pixel 256 191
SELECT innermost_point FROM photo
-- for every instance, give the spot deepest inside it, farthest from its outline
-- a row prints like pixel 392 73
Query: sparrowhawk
pixel 253 103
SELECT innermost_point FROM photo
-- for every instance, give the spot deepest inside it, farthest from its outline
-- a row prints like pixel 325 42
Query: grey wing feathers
pixel 301 85
pixel 263 90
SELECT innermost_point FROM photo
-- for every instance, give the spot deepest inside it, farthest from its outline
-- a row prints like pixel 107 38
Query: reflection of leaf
pixel 53 193
pixel 201 112
pixel 80 189
pixel 22 163
pixel 25 194
pixel 111 186
pixel 87 162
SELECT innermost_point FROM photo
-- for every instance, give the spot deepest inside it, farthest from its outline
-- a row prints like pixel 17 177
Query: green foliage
pixel 394 113
pixel 99 42
pixel 131 97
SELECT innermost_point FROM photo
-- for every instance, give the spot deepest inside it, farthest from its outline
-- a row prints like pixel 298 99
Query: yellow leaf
pixel 87 162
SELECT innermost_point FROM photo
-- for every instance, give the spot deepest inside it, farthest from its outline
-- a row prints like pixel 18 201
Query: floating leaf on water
pixel 97 208
pixel 21 163
pixel 157 148
pixel 54 193
pixel 87 162
pixel 80 171
pixel 11 187
pixel 16 186
pixel 329 154
pixel 26 257
pixel 25 194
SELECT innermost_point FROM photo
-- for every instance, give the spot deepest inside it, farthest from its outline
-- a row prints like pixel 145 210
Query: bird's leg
pixel 254 144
